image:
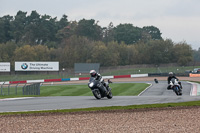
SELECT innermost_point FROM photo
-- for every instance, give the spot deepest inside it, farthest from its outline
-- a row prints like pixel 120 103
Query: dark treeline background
pixel 38 37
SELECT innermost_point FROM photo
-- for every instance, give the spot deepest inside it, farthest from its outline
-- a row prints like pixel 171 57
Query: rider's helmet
pixel 170 74
pixel 93 73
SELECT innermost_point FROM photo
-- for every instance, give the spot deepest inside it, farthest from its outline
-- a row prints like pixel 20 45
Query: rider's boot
pixel 180 85
pixel 106 86
pixel 169 87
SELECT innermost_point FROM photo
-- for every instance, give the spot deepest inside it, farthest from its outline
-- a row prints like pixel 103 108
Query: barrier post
pixel 2 88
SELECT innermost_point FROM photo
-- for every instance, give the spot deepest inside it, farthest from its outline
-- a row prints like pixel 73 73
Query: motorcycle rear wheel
pixel 177 91
pixel 109 96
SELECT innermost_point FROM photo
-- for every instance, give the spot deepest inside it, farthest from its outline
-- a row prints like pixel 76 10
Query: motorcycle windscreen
pixel 173 80
pixel 91 79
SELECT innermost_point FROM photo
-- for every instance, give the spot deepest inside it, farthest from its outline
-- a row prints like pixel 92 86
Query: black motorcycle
pixel 175 86
pixel 98 89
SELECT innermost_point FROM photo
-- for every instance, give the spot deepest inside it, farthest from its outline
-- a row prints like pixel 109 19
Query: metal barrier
pixel 20 89
pixel 32 89
pixel 2 88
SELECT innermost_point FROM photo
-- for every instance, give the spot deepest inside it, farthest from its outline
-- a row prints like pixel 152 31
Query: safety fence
pixel 20 89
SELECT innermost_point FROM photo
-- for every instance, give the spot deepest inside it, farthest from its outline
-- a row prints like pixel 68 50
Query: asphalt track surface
pixel 156 93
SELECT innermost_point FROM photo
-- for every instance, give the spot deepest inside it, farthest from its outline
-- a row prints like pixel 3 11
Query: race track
pixel 157 93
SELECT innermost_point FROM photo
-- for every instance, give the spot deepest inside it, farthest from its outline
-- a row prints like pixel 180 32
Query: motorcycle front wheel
pixel 96 94
pixel 176 90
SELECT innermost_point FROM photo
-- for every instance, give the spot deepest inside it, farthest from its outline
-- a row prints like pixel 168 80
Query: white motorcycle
pixel 175 86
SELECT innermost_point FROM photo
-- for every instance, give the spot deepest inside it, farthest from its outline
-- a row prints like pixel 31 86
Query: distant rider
pixel 171 75
pixel 98 77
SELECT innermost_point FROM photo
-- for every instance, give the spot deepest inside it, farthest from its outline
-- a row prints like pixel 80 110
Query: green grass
pixel 118 89
pixel 128 89
pixel 65 90
pixel 112 108
pixel 11 92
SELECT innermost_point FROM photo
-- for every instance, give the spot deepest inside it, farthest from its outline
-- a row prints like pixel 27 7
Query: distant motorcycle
pixel 175 86
pixel 98 89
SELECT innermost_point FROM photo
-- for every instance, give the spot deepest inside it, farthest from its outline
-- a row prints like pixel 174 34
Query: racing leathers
pixel 98 77
pixel 169 79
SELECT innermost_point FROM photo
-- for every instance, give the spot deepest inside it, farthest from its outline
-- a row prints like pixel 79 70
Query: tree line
pixel 38 37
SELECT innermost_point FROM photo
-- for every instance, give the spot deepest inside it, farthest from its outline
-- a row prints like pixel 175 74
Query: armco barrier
pixel 67 79
pixel 84 78
pixel 52 80
pixel 6 83
pixel 122 76
pixel 108 77
pixel 72 79
pixel 18 82
pixel 139 75
pixel 35 81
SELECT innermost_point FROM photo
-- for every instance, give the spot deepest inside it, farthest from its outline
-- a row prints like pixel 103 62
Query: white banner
pixel 36 66
pixel 4 66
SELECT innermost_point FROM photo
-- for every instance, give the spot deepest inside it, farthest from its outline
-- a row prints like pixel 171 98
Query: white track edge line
pixel 145 89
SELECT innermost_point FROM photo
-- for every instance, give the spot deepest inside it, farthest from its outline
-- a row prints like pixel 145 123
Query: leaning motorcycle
pixel 98 89
pixel 176 86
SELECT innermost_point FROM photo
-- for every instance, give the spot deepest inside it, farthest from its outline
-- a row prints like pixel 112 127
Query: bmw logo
pixel 24 66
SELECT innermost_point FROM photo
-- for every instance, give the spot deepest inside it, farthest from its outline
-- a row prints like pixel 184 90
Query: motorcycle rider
pixel 98 77
pixel 171 75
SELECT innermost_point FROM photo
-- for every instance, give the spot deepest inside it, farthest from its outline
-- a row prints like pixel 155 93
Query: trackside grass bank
pixel 112 108
pixel 118 89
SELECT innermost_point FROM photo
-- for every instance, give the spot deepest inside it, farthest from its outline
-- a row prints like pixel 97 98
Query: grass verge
pixel 112 108
pixel 118 89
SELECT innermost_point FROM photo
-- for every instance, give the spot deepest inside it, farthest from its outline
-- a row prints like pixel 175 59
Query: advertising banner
pixel 36 66
pixel 194 75
pixel 4 66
